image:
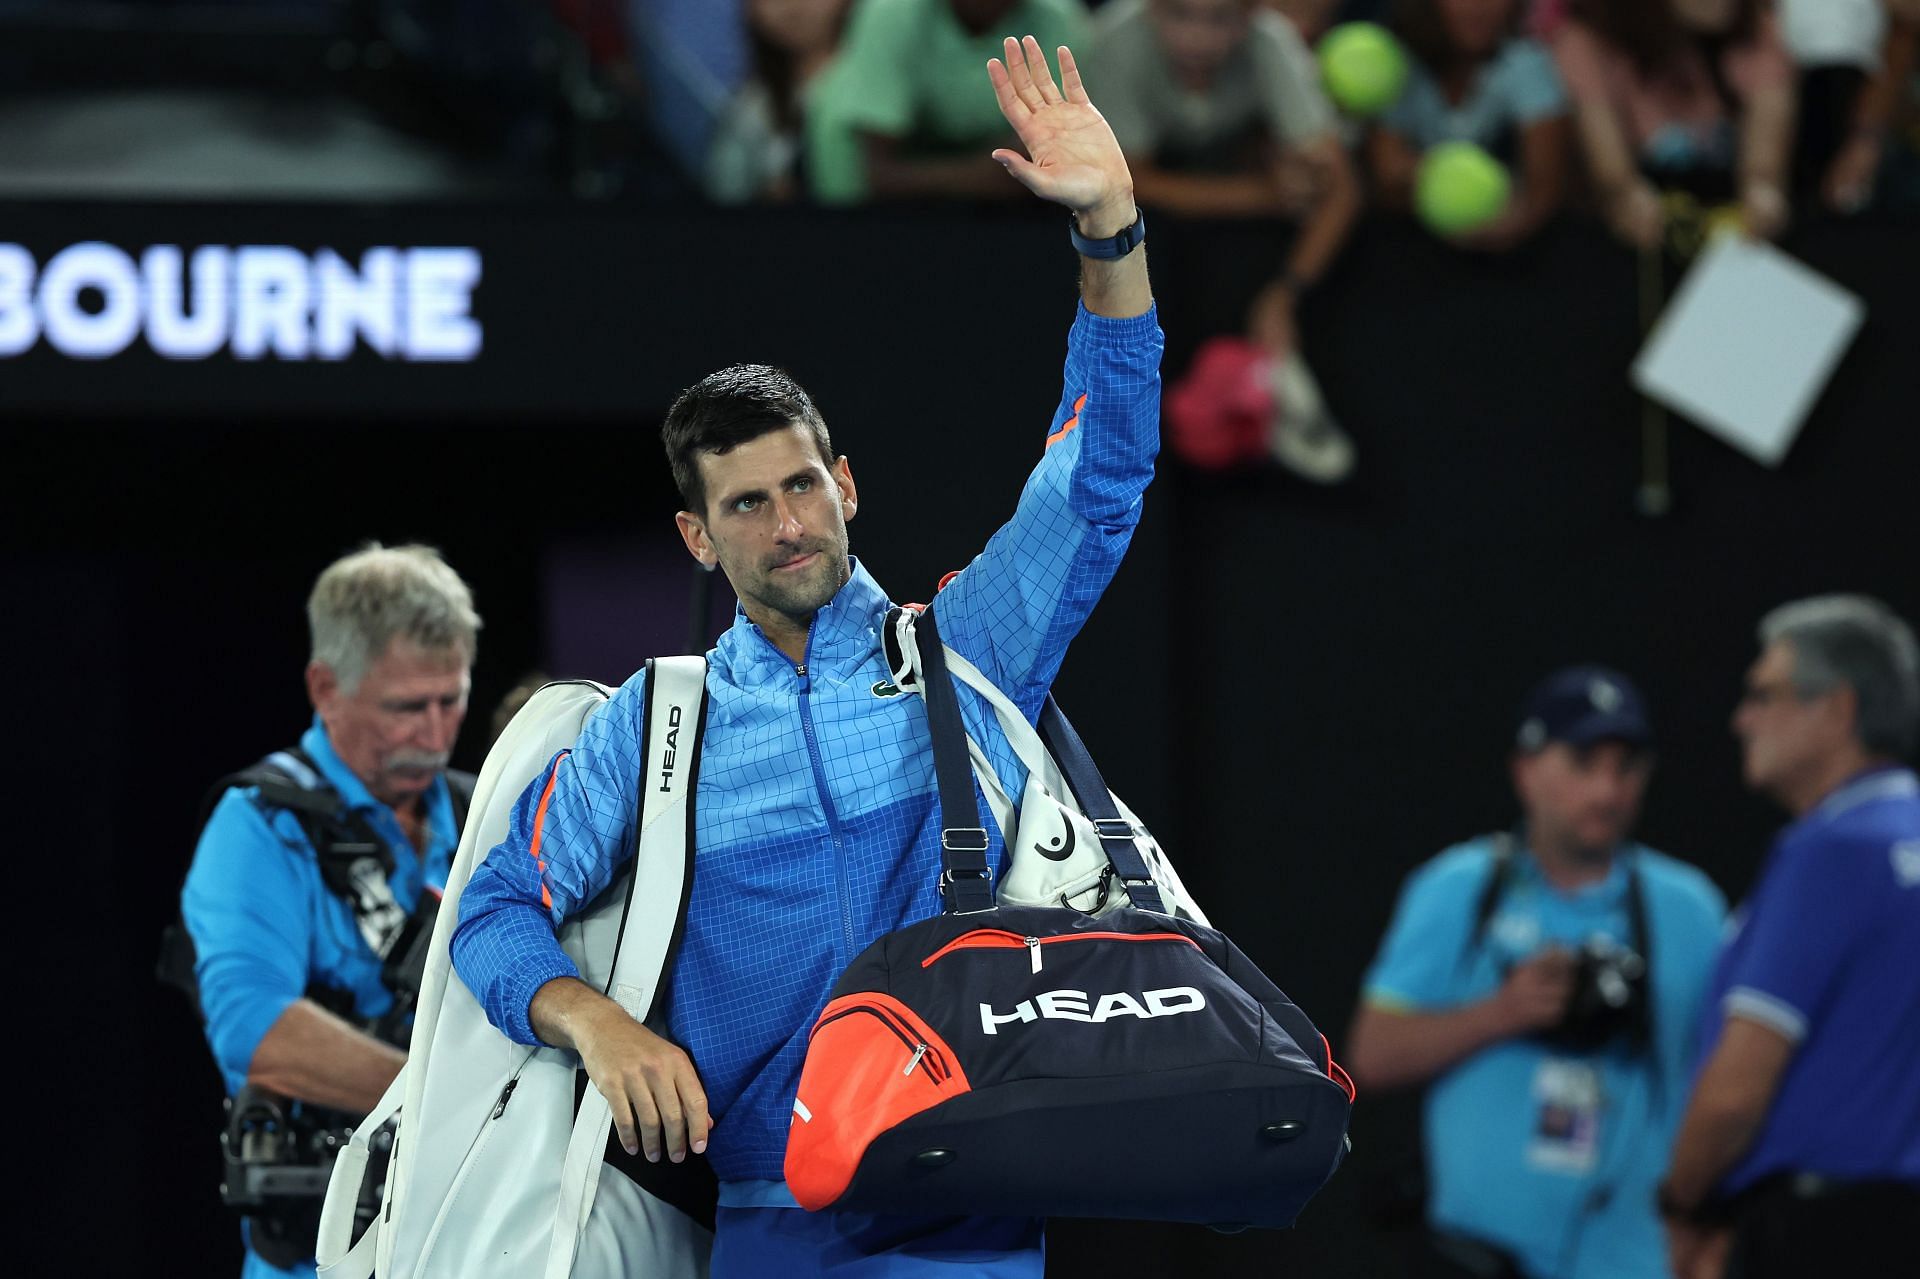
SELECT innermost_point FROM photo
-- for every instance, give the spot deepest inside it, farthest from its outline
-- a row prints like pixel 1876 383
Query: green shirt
pixel 908 70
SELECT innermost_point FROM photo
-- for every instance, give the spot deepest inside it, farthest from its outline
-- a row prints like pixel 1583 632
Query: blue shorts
pixel 753 1243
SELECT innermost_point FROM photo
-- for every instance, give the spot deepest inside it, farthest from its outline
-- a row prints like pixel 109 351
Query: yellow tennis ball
pixel 1460 188
pixel 1362 66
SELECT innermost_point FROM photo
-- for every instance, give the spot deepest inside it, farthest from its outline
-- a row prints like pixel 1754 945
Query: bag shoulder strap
pixel 966 881
pixel 1501 869
pixel 1060 745
pixel 1096 800
pixel 674 722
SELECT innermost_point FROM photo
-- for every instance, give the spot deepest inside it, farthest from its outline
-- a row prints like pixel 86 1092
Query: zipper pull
pixel 1033 952
pixel 800 669
pixel 505 1093
pixel 918 1052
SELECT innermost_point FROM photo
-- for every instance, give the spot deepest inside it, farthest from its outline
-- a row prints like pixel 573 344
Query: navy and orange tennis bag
pixel 1041 1061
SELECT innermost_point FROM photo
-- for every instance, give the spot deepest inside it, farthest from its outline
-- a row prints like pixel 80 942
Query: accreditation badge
pixel 1566 1116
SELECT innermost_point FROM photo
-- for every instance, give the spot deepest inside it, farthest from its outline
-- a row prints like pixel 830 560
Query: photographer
pixel 314 883
pixel 1546 982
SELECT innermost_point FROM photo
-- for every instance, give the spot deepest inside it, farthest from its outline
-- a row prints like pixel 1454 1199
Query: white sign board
pixel 1748 341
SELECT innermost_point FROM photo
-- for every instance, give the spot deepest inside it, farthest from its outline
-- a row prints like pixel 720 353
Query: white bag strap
pixel 336 1259
pixel 1025 742
pixel 656 901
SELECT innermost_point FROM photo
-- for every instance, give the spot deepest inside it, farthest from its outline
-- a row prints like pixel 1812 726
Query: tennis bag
pixel 1011 1060
pixel 501 1163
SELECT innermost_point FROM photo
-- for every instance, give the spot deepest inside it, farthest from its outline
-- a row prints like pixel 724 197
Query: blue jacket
pixel 817 827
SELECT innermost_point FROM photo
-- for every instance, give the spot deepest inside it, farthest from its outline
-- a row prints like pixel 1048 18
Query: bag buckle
pixel 973 840
pixel 1114 827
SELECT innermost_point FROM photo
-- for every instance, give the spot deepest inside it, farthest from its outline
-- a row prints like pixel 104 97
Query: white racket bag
pixel 495 1170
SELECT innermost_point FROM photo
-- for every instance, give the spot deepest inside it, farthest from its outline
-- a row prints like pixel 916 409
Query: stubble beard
pixel 799 597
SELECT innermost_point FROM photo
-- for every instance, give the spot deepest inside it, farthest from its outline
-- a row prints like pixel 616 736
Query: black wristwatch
pixel 1108 248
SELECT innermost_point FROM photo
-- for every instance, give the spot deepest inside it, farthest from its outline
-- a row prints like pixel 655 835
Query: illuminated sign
pixel 91 301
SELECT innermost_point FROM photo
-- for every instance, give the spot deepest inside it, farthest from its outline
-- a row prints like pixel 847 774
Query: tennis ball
pixel 1460 188
pixel 1362 66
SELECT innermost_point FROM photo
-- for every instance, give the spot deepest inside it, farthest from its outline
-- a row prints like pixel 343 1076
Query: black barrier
pixel 1304 691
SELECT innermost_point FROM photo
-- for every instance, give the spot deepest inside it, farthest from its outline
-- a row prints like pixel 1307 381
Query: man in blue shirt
pixel 1546 983
pixel 1804 1123
pixel 288 969
pixel 817 827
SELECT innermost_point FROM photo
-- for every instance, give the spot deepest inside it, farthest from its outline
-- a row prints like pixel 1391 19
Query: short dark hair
pixel 726 409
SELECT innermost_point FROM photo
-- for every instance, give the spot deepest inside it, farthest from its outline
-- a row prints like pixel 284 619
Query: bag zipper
pixel 924 1056
pixel 1005 939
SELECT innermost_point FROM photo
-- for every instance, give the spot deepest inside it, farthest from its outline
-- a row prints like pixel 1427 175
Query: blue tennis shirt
pixel 817 828
pixel 1827 953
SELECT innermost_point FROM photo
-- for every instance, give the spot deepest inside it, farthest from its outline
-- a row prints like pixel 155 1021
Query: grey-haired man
pixel 293 928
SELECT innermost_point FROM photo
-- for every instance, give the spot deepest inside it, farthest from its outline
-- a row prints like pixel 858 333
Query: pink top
pixel 1681 101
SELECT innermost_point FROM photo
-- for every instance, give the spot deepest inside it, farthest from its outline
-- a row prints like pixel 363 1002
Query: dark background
pixel 1305 692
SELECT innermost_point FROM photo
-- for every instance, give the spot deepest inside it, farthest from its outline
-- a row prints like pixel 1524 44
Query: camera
pixel 277 1159
pixel 1610 999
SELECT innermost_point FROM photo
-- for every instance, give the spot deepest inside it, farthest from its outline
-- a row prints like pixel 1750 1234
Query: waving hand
pixel 1072 157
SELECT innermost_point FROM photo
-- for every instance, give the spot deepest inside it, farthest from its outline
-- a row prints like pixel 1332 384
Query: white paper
pixel 1747 343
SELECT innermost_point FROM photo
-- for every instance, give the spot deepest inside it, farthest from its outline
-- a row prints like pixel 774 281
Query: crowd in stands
pixel 1633 111
pixel 1775 105
pixel 1657 117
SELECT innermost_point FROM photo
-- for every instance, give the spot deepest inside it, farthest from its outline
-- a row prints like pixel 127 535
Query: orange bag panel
pixel 871 1064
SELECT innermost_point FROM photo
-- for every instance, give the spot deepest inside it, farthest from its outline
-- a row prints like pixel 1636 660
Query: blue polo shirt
pixel 1827 952
pixel 1548 1154
pixel 264 926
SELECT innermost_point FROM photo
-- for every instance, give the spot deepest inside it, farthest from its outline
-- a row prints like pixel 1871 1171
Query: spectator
pixel 903 112
pixel 1804 1124
pixel 1217 104
pixel 1836 45
pixel 1474 78
pixel 1551 1103
pixel 691 57
pixel 1859 154
pixel 757 144
pixel 1311 18
pixel 1690 94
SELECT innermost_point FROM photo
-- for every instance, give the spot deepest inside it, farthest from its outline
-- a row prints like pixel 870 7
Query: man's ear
pixel 1519 769
pixel 1843 704
pixel 322 685
pixel 693 531
pixel 849 495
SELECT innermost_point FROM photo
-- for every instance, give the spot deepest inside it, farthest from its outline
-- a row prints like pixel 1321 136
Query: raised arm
pixel 1072 159
pixel 1016 607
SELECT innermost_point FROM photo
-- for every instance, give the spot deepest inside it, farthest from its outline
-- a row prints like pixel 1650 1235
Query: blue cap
pixel 1581 705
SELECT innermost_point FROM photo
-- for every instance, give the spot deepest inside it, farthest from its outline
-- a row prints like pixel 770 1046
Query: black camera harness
pixel 1639 1033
